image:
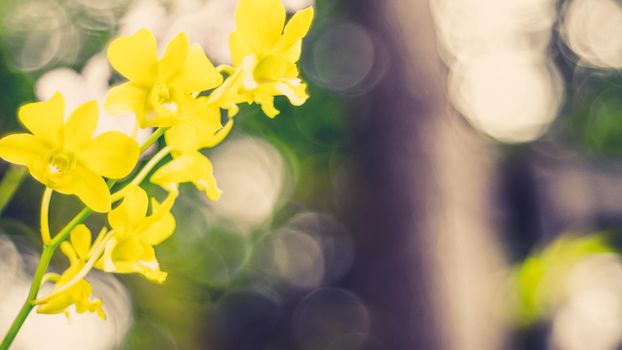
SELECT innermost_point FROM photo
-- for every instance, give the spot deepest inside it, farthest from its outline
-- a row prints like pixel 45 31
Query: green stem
pixel 48 252
pixel 10 183
pixel 81 274
pixel 153 138
pixel 46 256
pixel 143 173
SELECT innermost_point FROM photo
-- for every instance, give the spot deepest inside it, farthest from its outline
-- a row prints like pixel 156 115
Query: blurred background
pixel 454 181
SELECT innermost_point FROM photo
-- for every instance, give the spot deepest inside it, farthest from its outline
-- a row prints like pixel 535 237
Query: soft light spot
pixel 251 175
pixel 343 57
pixel 508 95
pixel 591 318
pixel 299 259
pixel 591 29
pixel 39 34
pixel 333 238
pixel 328 314
pixel 471 27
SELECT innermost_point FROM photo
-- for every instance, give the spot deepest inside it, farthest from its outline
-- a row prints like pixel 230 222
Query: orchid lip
pixel 59 164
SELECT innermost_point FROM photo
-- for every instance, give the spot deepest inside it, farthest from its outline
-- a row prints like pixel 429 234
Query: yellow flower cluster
pixel 182 94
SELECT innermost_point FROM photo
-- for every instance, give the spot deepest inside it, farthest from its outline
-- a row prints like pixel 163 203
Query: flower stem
pixel 9 185
pixel 46 256
pixel 153 138
pixel 45 209
pixel 143 172
pixel 83 272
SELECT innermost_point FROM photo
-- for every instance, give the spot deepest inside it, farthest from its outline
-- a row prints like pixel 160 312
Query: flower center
pixel 59 163
pixel 164 95
pixel 163 98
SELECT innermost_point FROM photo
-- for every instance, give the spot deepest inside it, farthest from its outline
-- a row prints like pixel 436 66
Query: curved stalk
pixel 45 210
pixel 81 274
pixel 153 138
pixel 46 256
pixel 95 244
pixel 143 172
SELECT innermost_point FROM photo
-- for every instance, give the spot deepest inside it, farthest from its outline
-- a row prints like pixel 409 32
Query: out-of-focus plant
pixel 540 279
pixel 182 95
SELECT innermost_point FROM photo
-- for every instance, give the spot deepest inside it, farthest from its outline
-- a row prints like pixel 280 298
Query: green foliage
pixel 540 279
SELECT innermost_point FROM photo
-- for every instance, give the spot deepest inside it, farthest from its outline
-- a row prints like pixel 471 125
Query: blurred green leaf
pixel 539 280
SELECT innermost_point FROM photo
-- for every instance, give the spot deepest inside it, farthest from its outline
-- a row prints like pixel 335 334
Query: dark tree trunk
pixel 389 212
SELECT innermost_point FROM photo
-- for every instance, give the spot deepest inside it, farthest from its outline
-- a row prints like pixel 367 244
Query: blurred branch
pixel 9 185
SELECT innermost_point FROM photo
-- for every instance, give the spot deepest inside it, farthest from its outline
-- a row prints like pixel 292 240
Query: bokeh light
pixel 150 14
pixel 334 51
pixel 500 77
pixel 326 315
pixel 251 176
pixel 591 317
pixel 471 27
pixel 207 23
pixel 589 28
pixel 299 259
pixel 333 239
pixel 345 57
pixel 10 262
pixel 510 96
pixel 40 34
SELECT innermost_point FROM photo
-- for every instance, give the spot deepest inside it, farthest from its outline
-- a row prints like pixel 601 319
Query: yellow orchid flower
pixel 188 164
pixel 134 234
pixel 188 167
pixel 66 291
pixel 158 89
pixel 264 52
pixel 64 156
